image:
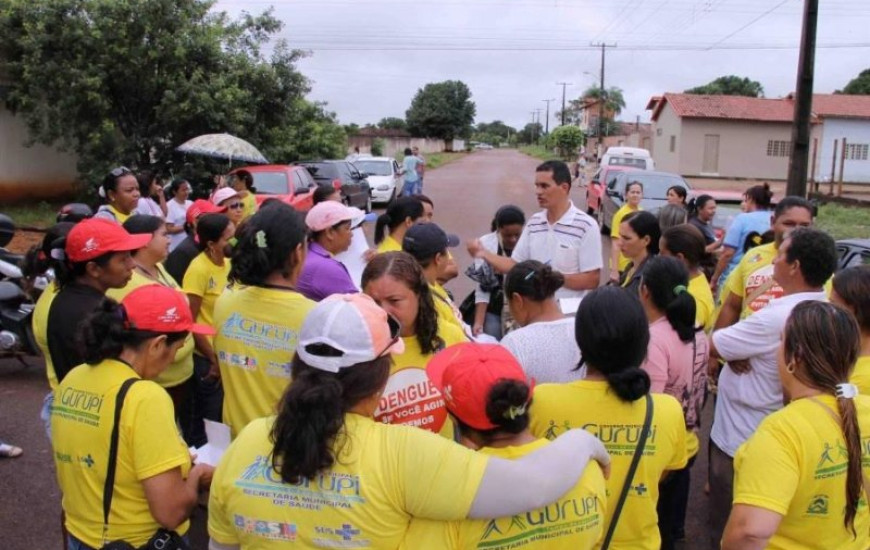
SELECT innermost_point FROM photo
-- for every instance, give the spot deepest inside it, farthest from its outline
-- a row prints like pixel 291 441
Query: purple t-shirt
pixel 322 275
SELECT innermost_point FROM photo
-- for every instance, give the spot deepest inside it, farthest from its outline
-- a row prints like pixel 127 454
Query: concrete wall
pixel 393 145
pixel 667 125
pixel 31 173
pixel 856 132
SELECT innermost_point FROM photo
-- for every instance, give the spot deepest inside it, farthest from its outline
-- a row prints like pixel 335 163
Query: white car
pixel 384 176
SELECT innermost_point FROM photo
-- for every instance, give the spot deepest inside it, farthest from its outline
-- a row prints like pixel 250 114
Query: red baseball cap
pixel 161 309
pixel 200 207
pixel 465 373
pixel 94 237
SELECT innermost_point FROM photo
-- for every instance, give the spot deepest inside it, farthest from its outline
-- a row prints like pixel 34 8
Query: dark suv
pixel 354 186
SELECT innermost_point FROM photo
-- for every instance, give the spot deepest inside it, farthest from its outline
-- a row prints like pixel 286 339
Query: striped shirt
pixel 571 245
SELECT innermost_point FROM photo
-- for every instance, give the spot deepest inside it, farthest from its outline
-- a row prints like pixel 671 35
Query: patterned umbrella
pixel 224 146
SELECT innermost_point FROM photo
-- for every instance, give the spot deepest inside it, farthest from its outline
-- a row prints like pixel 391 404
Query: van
pixel 632 157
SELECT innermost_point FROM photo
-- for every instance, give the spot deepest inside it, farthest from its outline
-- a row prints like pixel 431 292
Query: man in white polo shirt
pixel 806 259
pixel 561 235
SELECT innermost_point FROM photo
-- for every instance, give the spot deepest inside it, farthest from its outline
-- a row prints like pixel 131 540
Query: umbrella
pixel 224 146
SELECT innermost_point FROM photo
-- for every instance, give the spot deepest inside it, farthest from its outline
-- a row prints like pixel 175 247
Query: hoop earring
pixel 789 368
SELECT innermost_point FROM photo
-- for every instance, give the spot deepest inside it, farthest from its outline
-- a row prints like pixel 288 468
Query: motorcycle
pixel 16 307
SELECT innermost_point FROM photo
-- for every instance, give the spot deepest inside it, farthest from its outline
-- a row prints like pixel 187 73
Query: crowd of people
pixel 544 410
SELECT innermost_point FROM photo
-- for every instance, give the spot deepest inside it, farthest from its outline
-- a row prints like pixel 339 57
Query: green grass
pixel 844 222
pixel 42 214
pixel 435 160
pixel 539 152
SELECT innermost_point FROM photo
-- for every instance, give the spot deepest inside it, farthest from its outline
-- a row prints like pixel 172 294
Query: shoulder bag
pixel 635 461
pixel 163 539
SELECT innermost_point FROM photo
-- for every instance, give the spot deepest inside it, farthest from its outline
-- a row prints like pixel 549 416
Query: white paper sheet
pixel 352 258
pixel 569 305
pixel 218 440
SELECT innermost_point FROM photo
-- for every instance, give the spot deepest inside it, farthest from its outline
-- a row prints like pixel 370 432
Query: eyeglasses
pixel 236 205
pixel 395 333
pixel 120 171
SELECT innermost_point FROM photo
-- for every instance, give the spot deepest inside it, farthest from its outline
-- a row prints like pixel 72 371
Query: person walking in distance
pixel 412 176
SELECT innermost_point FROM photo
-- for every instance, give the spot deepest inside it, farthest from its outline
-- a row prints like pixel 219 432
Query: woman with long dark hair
pixel 204 281
pixel 639 235
pixel 267 261
pixel 324 473
pixel 493 419
pixel 676 361
pixel 612 333
pixel 851 290
pixel 152 201
pixel 799 481
pixel 391 226
pixel 618 259
pixel 176 211
pixel 530 289
pixel 155 486
pixel 396 282
pixel 686 243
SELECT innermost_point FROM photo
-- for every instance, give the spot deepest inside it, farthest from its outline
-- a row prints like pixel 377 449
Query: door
pixel 711 154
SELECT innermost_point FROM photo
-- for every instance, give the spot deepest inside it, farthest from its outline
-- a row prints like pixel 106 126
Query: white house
pixel 843 117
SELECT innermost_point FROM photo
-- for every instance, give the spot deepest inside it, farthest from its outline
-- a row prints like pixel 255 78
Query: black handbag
pixel 163 539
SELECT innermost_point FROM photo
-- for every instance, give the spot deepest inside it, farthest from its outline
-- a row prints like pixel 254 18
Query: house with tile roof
pixel 747 137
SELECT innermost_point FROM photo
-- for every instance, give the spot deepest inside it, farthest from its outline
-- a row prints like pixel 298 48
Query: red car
pixel 287 182
pixel 595 188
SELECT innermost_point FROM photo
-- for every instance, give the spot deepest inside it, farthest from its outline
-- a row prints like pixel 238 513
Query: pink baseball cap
pixel 162 309
pixel 223 194
pixel 328 213
pixel 94 237
pixel 465 373
pixel 352 325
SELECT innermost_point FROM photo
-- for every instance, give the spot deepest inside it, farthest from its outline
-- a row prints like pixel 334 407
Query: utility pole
pixel 547 101
pixel 800 133
pixel 538 121
pixel 602 95
pixel 563 85
pixel 533 127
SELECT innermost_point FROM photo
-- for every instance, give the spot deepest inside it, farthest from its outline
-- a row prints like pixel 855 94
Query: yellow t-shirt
pixel 250 203
pixel 256 340
pixel 699 288
pixel 389 244
pixel 39 322
pixel 383 476
pixel 181 368
pixel 623 211
pixel 409 397
pixel 795 465
pixel 149 444
pixel 445 308
pixel 574 522
pixel 861 375
pixel 755 269
pixel 208 281
pixel 618 424
pixel 120 216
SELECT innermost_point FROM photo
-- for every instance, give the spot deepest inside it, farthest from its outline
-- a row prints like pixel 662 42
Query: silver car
pixel 384 175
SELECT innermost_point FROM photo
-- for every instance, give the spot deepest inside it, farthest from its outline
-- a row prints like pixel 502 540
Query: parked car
pixel 595 188
pixel 355 189
pixel 655 188
pixel 384 176
pixel 852 252
pixel 628 156
pixel 289 183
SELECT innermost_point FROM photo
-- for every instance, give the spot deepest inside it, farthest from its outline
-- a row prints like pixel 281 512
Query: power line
pixel 747 25
pixel 577 48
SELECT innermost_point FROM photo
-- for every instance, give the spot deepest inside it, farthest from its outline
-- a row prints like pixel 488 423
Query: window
pixel 857 151
pixel 778 148
pixel 673 143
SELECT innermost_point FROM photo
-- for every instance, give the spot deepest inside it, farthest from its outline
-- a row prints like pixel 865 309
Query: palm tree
pixel 613 100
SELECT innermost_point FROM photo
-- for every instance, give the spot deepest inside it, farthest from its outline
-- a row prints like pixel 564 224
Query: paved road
pixel 466 195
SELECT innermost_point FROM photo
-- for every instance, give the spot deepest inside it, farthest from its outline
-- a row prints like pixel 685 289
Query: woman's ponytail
pixel 666 279
pixel 381 225
pixel 629 384
pixel 854 471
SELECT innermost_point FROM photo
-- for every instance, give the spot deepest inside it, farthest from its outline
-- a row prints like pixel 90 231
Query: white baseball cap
pixel 355 328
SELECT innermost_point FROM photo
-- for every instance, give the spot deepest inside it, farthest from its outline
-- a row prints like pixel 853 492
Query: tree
pixel 860 85
pixel 730 85
pixel 530 133
pixel 613 99
pixel 496 129
pixel 567 139
pixel 127 81
pixel 442 110
pixel 392 123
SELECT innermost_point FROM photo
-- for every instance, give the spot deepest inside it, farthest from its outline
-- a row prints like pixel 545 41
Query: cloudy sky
pixel 369 57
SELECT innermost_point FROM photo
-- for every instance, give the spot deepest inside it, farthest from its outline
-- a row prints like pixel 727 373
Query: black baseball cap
pixel 425 240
